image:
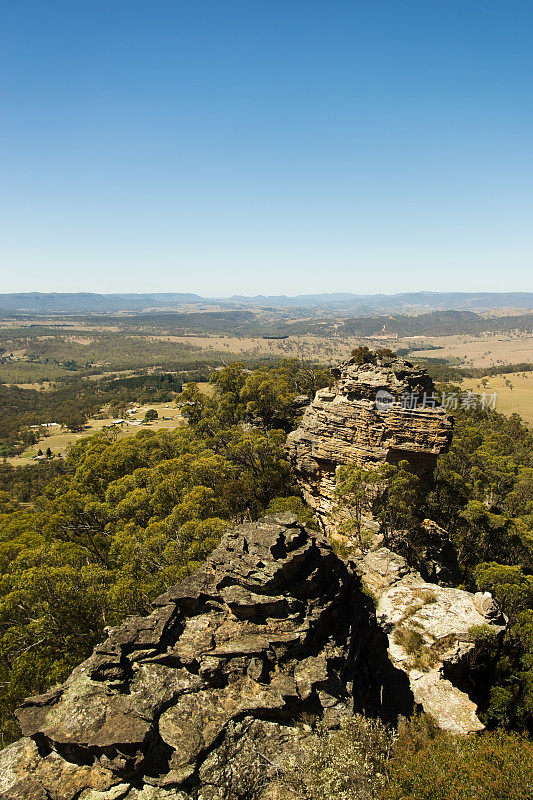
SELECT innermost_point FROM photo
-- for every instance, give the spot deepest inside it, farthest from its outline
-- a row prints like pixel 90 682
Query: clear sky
pixel 266 146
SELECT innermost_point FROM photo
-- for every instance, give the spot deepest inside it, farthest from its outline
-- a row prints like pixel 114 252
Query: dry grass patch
pixel 514 392
pixel 488 350
pixel 422 655
pixel 421 598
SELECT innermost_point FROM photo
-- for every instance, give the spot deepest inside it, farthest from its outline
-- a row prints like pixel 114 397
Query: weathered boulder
pixel 271 629
pixel 432 634
pixel 371 414
pixel 212 690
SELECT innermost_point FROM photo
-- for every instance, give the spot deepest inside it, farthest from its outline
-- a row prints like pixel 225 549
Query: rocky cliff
pixel 371 414
pixel 379 412
pixel 272 629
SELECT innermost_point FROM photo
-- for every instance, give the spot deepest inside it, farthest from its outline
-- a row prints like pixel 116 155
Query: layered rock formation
pixel 272 628
pixel 371 414
pixel 385 412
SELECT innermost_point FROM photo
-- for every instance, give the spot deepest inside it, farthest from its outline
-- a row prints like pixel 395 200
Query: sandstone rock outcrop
pixel 431 631
pixel 371 414
pixel 272 627
pixel 380 412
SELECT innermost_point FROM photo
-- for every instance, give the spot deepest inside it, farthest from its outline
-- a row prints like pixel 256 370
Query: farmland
pixel 64 366
pixel 514 392
pixel 60 440
pixel 487 350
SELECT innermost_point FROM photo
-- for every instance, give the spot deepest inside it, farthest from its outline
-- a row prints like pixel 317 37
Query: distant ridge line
pixel 93 302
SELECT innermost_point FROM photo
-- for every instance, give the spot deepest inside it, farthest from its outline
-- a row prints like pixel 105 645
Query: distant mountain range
pixel 407 301
pixel 417 302
pixel 87 302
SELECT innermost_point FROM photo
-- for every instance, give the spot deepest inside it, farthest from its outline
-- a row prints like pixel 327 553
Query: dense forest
pixel 90 539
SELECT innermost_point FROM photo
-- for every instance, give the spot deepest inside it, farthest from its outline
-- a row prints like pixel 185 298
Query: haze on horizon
pixel 266 148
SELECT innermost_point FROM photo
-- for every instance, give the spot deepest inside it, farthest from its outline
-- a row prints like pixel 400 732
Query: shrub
pixel 385 352
pixel 363 355
pixel 429 764
pixel 412 641
pixel 295 505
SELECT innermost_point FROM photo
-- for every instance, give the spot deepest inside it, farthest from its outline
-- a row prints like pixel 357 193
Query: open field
pixel 60 442
pixel 488 350
pixel 468 351
pixel 518 399
pixel 46 385
pixel 308 347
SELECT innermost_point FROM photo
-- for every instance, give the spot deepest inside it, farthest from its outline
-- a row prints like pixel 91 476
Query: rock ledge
pixel 431 630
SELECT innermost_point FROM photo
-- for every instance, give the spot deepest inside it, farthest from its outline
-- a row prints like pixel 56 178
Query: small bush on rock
pixel 294 505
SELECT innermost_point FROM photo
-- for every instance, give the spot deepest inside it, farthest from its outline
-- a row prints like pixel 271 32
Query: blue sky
pixel 272 147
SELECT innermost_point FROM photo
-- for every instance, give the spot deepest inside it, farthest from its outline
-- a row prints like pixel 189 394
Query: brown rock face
pixel 271 628
pixel 367 417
